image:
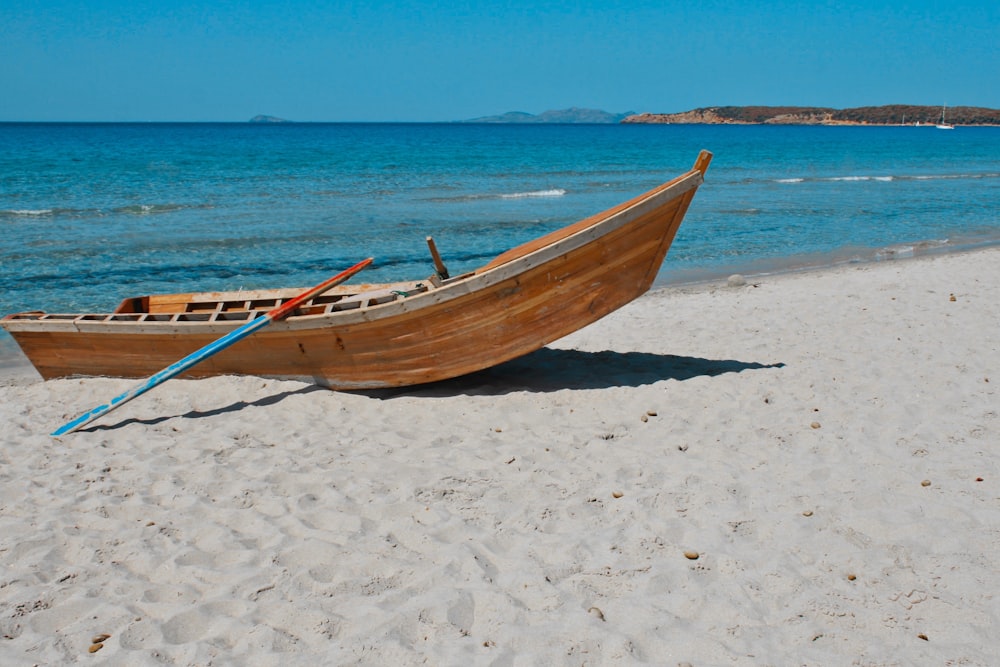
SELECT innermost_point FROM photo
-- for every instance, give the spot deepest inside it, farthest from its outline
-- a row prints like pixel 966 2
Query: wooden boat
pixel 384 335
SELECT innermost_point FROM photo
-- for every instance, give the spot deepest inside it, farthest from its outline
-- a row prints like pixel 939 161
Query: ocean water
pixel 91 213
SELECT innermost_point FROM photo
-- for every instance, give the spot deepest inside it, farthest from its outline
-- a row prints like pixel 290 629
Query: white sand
pixel 254 522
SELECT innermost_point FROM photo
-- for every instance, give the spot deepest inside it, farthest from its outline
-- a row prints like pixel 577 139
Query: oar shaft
pixel 162 376
pixel 197 356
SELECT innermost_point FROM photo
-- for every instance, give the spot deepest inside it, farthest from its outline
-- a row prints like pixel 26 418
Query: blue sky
pixel 373 60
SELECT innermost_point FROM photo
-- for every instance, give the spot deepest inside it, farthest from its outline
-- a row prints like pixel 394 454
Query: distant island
pixel 892 114
pixel 572 115
pixel 268 119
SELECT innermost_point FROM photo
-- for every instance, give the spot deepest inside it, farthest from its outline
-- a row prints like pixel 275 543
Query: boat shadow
pixel 264 401
pixel 546 370
pixel 549 370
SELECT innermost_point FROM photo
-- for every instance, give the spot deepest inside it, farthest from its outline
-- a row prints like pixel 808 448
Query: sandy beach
pixel 802 470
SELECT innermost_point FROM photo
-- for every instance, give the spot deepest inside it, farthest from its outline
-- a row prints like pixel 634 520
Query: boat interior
pixel 243 305
pixel 247 305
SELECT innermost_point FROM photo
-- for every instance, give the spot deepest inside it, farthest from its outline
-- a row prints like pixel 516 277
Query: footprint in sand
pixel 186 627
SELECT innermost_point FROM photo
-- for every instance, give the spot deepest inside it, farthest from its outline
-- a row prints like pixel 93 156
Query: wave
pixel 554 192
pixel 741 211
pixel 909 249
pixel 27 213
pixel 40 213
pixel 557 192
pixel 131 209
pixel 886 178
pixel 147 209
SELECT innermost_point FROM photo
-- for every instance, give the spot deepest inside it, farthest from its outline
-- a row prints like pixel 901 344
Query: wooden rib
pixel 439 266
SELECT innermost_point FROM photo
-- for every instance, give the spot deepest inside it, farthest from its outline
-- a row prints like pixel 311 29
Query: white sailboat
pixel 943 125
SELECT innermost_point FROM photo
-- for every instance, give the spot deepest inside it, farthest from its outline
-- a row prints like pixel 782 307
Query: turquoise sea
pixel 90 213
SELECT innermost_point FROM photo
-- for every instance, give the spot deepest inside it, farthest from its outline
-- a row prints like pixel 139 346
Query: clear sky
pixel 412 60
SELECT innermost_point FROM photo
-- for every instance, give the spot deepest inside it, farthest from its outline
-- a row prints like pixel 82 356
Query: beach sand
pixel 825 443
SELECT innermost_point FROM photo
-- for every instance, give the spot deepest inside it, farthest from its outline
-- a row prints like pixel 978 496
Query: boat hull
pixel 525 299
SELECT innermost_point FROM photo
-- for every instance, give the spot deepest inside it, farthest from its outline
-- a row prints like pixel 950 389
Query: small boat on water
pixel 943 125
pixel 390 335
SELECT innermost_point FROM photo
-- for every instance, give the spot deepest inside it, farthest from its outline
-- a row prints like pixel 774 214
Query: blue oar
pixel 187 362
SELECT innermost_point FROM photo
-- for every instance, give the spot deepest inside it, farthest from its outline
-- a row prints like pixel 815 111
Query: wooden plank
pixel 439 266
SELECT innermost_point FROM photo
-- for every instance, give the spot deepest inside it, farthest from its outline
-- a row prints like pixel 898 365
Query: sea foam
pixel 27 212
pixel 557 192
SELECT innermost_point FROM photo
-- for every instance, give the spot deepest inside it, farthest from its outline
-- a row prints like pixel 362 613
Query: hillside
pixel 572 115
pixel 892 114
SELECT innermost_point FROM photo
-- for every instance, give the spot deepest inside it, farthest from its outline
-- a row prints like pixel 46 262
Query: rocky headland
pixel 892 114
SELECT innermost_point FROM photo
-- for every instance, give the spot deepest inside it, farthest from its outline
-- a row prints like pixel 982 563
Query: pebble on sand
pixel 692 555
pixel 736 280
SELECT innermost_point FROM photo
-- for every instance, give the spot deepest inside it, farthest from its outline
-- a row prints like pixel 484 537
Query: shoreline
pixel 803 124
pixel 803 468
pixel 818 262
pixel 13 363
pixel 879 116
